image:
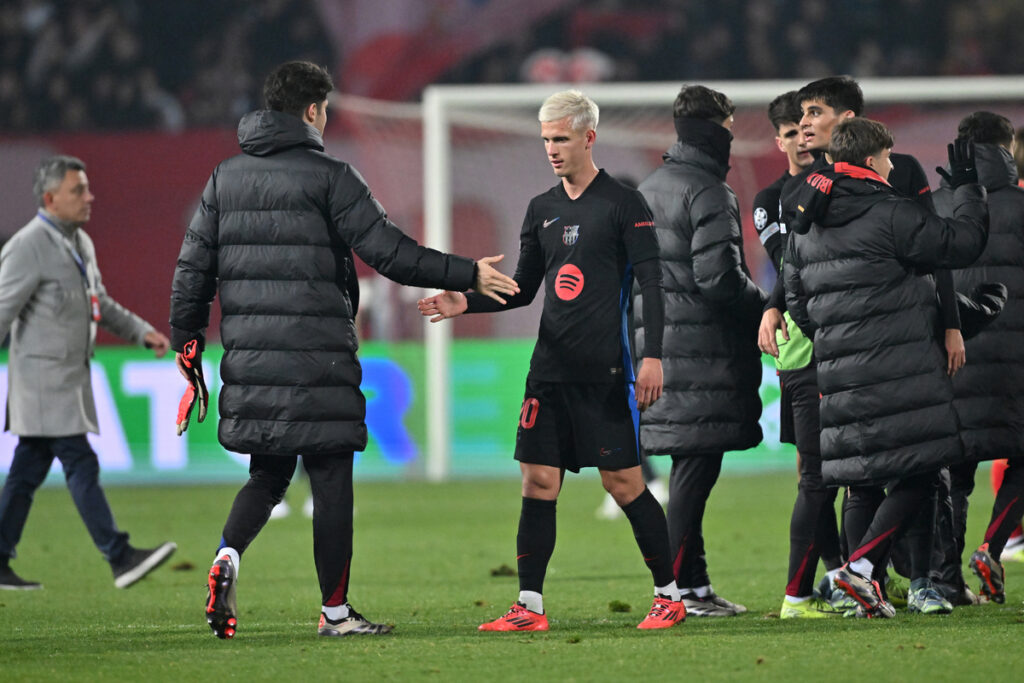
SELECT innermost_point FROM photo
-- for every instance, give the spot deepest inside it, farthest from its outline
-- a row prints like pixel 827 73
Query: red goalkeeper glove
pixel 196 392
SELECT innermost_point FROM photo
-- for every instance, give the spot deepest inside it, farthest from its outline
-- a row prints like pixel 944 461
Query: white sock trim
pixel 671 591
pixel 533 600
pixel 863 566
pixel 335 612
pixel 232 555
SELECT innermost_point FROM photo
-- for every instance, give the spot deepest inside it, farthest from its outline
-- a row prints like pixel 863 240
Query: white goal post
pixel 445 106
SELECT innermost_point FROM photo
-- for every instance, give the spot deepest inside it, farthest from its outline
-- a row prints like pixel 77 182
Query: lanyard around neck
pixel 79 261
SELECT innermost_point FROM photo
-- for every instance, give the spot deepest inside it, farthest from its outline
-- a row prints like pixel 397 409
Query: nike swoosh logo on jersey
pixel 549 222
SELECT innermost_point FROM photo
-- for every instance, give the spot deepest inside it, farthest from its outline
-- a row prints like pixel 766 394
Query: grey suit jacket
pixel 45 304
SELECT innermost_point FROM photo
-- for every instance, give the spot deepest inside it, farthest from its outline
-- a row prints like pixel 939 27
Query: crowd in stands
pixel 117 64
pixel 671 40
pixel 128 64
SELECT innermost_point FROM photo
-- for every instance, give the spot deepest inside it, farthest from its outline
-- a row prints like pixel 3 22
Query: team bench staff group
pixel 648 345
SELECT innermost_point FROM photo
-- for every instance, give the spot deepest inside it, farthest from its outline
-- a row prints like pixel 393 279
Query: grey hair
pixel 582 110
pixel 50 174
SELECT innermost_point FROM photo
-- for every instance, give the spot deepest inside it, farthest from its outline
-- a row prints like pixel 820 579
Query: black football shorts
pixel 574 425
pixel 799 409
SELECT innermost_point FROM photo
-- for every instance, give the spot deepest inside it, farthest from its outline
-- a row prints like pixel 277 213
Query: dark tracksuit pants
pixel 690 484
pixel 894 513
pixel 330 479
pixel 1006 511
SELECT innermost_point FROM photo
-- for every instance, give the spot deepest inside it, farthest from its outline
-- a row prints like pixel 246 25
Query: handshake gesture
pixel 962 169
pixel 190 366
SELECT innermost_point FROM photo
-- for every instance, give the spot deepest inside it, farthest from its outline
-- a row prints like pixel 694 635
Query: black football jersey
pixel 582 252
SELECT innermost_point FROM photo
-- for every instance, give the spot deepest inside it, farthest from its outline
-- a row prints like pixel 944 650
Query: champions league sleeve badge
pixel 760 218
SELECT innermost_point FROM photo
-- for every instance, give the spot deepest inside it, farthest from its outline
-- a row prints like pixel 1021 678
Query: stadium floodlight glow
pixel 479 106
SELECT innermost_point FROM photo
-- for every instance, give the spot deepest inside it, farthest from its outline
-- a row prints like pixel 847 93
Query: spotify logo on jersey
pixel 568 282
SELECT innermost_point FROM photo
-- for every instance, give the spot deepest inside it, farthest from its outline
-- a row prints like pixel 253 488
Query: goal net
pixel 458 171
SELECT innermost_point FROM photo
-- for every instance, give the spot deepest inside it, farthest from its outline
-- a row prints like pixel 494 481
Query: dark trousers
pixel 1006 510
pixel 812 527
pixel 690 484
pixel 330 479
pixel 913 555
pixel 894 513
pixel 32 459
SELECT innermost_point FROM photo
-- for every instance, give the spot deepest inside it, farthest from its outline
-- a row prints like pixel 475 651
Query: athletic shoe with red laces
pixel 221 609
pixel 518 618
pixel 991 574
pixel 664 614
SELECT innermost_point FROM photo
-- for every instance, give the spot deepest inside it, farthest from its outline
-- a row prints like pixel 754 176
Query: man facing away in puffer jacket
pixel 710 357
pixel 274 236
pixel 853 284
pixel 988 397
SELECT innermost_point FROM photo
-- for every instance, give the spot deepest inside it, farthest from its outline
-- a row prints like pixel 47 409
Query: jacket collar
pixel 265 132
pixel 703 143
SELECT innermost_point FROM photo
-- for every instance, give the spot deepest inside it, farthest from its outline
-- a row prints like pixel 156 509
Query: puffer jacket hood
pixel 690 155
pixel 265 132
pixel 835 196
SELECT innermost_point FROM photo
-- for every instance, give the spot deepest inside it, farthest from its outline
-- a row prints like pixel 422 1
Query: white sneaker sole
pixel 146 566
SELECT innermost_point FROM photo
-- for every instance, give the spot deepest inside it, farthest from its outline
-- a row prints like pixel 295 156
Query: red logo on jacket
pixel 820 183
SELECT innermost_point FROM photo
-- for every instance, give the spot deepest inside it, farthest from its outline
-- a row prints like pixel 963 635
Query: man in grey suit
pixel 51 301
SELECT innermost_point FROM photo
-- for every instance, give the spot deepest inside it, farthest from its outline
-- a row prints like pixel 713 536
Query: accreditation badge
pixel 95 303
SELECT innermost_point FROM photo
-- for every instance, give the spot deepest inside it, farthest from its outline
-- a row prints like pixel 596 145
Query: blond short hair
pixel 581 110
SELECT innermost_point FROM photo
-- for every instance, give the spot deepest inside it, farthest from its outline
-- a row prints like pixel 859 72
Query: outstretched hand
pixel 443 305
pixel 492 283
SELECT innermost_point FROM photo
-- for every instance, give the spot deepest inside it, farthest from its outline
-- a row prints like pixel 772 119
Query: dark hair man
pixel 274 236
pixel 813 533
pixel 712 366
pixel 52 299
pixel 988 390
pixel 584 239
pixel 887 416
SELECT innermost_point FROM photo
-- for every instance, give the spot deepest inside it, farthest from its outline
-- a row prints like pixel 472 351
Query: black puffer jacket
pixel 990 388
pixel 710 358
pixel 274 235
pixel 852 282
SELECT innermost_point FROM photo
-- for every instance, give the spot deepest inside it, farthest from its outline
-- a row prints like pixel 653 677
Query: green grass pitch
pixel 424 555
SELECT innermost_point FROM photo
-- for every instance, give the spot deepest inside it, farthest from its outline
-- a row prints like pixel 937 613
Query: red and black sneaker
pixel 517 618
pixel 221 610
pixel 866 592
pixel 664 614
pixel 990 571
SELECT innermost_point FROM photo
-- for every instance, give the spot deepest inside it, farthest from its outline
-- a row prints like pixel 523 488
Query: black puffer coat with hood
pixel 854 285
pixel 274 236
pixel 989 389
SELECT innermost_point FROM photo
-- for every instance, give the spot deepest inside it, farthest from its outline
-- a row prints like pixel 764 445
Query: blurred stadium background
pixel 148 94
